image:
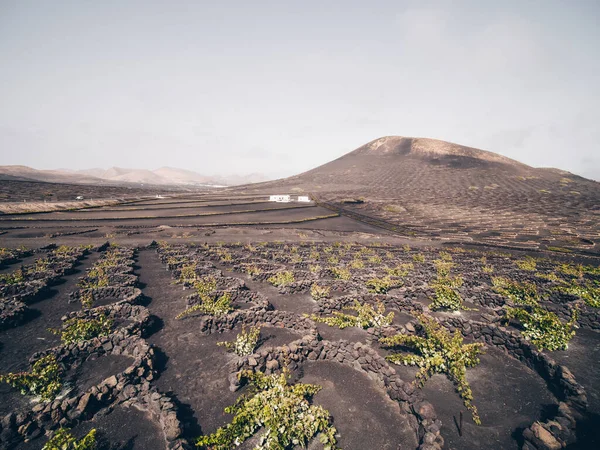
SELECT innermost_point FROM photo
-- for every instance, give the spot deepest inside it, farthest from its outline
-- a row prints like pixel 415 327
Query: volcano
pixel 441 190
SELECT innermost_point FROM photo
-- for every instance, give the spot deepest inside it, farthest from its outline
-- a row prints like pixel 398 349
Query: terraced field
pixel 139 333
pixel 431 296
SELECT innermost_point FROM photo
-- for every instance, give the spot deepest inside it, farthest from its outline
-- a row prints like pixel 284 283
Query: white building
pixel 280 198
pixel 304 198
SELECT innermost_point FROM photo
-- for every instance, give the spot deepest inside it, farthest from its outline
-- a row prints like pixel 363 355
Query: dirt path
pixel 194 369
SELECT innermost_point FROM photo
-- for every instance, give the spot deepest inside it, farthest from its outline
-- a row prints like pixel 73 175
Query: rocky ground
pixel 157 378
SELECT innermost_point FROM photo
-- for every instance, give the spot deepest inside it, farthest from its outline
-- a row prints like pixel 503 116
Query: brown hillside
pixel 442 190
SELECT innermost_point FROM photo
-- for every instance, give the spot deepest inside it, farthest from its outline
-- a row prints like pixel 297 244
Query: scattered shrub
pixel 314 268
pixel 382 285
pixel 63 439
pixel 205 285
pixel 572 270
pixel 341 273
pixel 544 328
pixel 357 264
pixel 245 343
pixel 367 317
pixel 419 258
pixel 79 329
pixel 446 298
pixel 252 269
pixel 438 352
pixel 212 307
pixel 281 409
pixel 282 278
pixel 318 292
pixel 528 263
pixel 520 293
pixel 44 379
pixel 587 292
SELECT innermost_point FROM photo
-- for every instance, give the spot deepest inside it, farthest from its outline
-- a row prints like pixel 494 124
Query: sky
pixel 279 87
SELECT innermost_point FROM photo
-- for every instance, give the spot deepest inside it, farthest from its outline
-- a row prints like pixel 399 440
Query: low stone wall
pixel 588 317
pixel 558 430
pixel 162 409
pixel 26 292
pixel 358 356
pixel 108 292
pixel 138 317
pixel 13 313
pixel 66 412
pixel 260 315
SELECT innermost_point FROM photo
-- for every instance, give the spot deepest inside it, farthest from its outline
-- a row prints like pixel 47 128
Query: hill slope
pixel 164 176
pixel 441 190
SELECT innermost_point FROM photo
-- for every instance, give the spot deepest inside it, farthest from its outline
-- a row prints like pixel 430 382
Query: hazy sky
pixel 281 86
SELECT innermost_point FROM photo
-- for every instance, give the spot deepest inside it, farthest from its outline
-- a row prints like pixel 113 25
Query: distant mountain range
pixel 164 176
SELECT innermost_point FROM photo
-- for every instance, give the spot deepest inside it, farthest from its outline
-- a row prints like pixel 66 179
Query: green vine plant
pixel 210 306
pixel 591 270
pixel 375 259
pixel 587 292
pixel 544 328
pixel 550 277
pixel 418 258
pixel 252 269
pixel 96 278
pixel 225 256
pixel 438 351
pixel 245 342
pixel 205 286
pixel 528 264
pixel 333 260
pixel 485 267
pixel 572 270
pixel 18 276
pixel 187 274
pixel 282 410
pixel 318 292
pixel 63 439
pixel 314 268
pixel 44 379
pixel 87 299
pixel 445 256
pixel 446 296
pixel 80 329
pixel 520 293
pixel 366 317
pixel 340 273
pixel 281 278
pixel 400 270
pixel 357 264
pixel 382 285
